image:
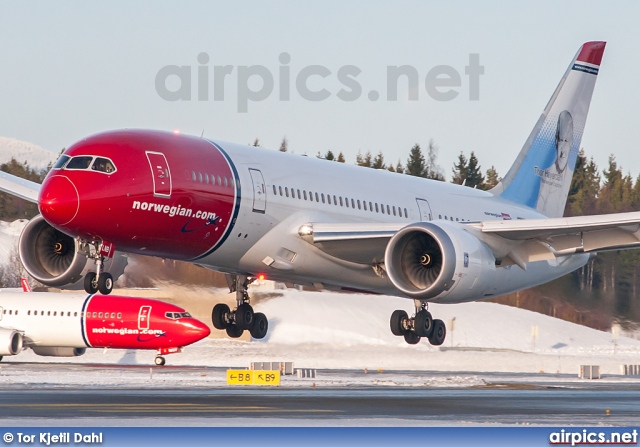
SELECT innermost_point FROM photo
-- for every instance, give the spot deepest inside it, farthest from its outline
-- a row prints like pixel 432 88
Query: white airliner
pixel 249 211
pixel 66 324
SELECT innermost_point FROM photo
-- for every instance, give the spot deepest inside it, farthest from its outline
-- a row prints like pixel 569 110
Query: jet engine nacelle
pixel 53 258
pixel 54 351
pixel 439 262
pixel 11 342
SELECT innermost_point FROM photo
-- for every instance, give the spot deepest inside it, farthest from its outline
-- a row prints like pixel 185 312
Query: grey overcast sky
pixel 73 68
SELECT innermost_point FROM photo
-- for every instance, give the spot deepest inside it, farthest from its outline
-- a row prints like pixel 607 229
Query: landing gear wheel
pixel 397 317
pixel 439 333
pixel 260 326
pixel 424 323
pixel 244 316
pixel 234 331
pixel 217 316
pixel 411 337
pixel 90 283
pixel 105 283
pixel 160 361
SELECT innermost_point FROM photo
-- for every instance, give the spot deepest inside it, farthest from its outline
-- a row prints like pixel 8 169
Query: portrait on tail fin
pixel 552 179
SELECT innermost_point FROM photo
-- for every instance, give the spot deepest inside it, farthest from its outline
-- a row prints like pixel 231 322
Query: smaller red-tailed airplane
pixel 69 323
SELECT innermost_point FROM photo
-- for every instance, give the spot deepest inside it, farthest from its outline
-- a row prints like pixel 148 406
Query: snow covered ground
pixel 351 332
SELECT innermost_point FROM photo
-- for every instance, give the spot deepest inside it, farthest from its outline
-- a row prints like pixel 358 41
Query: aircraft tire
pixel 412 338
pixel 234 331
pixel 217 315
pixel 424 323
pixel 90 283
pixel 439 333
pixel 260 326
pixel 105 283
pixel 244 316
pixel 396 322
pixel 160 361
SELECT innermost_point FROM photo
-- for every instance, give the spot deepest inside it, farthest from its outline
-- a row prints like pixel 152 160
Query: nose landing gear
pixel 98 281
pixel 422 325
pixel 243 317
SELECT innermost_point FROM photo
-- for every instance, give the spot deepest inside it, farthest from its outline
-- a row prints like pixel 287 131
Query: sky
pixel 71 69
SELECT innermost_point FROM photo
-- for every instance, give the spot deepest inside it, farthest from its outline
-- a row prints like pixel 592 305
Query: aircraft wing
pixel 25 189
pixel 511 241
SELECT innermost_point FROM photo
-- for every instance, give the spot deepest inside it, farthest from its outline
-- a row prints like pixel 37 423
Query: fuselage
pixel 96 321
pixel 227 206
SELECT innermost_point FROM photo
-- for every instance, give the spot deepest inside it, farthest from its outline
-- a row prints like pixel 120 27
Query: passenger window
pixel 61 162
pixel 394 210
pixel 286 191
pixel 274 190
pixel 299 196
pixel 193 175
pixel 219 181
pixel 341 203
pixel 335 200
pixel 317 198
pixel 103 165
pixel 353 204
pixel 365 205
pixel 100 315
pixel 359 205
pixel 388 210
pixel 304 193
pixel 81 162
pixel 329 199
pixel 406 214
pixel 280 189
pixel 226 182
pixel 200 177
pixel 119 315
pixel 322 195
pixel 75 314
pixel 377 209
pixel 310 196
pixel 206 178
pixel 113 314
pixel 28 312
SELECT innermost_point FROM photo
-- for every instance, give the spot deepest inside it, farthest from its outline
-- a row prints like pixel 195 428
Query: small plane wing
pixel 511 241
pixel 25 189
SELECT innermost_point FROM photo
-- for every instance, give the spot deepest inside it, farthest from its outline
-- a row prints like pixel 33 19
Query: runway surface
pixel 500 399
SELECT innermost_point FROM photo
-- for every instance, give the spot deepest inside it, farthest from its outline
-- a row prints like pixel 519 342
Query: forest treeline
pixel 606 289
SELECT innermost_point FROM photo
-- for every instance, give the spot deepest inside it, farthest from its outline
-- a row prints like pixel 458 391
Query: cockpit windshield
pixel 61 162
pixel 103 165
pixel 177 315
pixel 83 162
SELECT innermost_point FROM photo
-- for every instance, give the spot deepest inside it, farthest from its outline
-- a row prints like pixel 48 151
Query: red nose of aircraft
pixel 58 201
pixel 193 330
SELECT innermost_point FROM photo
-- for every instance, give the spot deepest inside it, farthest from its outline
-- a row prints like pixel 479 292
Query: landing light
pixel 176 132
pixel 262 277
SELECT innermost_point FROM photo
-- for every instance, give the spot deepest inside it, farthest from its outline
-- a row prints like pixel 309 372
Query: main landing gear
pixel 418 326
pixel 242 317
pixel 97 281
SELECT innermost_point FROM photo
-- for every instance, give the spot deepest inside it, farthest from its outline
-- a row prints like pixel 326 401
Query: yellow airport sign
pixel 239 377
pixel 248 377
pixel 266 378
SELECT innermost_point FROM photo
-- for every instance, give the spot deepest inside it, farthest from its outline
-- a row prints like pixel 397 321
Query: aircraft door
pixel 143 317
pixel 160 174
pixel 259 191
pixel 425 210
